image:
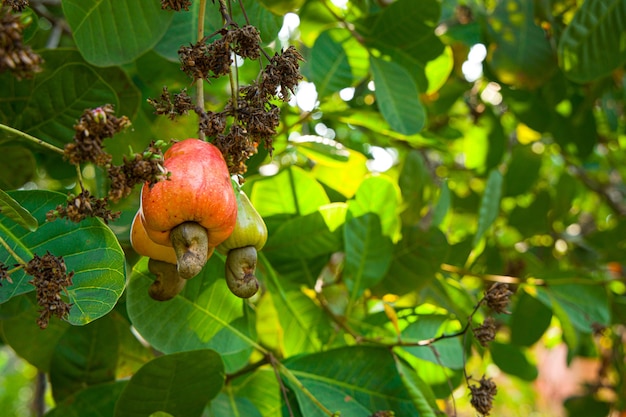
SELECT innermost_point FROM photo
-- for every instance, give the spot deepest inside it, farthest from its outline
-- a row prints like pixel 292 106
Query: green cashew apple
pixel 241 248
pixel 192 212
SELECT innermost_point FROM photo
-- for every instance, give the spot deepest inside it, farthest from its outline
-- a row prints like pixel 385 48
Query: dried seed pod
pixel 191 245
pixel 240 267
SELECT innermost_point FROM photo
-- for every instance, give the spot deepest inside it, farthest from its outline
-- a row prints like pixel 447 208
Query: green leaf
pixel 594 43
pixel 292 191
pixel 521 54
pixel 522 172
pixel 84 356
pixel 587 406
pixel 381 196
pixel 585 305
pixel 18 167
pixel 192 318
pixel 287 243
pixel 405 32
pixel 489 204
pixel 14 211
pixel 416 260
pixel 512 360
pixel 414 181
pixel 356 381
pixel 447 352
pixel 397 96
pixel 93 401
pixel 443 205
pixel 22 333
pixel 114 32
pixel 98 261
pixel 262 389
pixel 330 69
pixel 180 384
pixel 229 405
pixel 234 350
pixel 298 315
pixel 530 319
pixel 368 253
pixel 421 394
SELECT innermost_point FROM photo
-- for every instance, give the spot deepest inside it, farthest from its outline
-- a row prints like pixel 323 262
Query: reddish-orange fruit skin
pixel 199 190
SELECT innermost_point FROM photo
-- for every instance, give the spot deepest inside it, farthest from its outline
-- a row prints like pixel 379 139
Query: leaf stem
pixel 33 139
pixel 11 251
pixel 200 81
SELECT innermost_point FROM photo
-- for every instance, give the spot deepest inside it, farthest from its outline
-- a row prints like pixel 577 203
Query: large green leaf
pixel 330 69
pixel 191 319
pixel 356 381
pixel 14 211
pixel 381 196
pixel 228 405
pixel 368 253
pixel 405 32
pixel 298 315
pixel 521 54
pixel 84 356
pixel 262 389
pixel 18 167
pixel 489 204
pixel 180 384
pixel 512 360
pixel 594 43
pixel 530 319
pixel 114 32
pixel 397 96
pixel 421 394
pixel 416 260
pixel 94 401
pixel 89 249
pixel 292 191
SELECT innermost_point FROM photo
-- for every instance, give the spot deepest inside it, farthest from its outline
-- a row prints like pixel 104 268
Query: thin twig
pixel 33 139
pixel 200 81
pixel 11 252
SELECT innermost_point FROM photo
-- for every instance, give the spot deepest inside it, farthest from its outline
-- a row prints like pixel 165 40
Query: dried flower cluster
pixel 94 126
pixel 16 5
pixel 176 5
pixel 482 395
pixel 254 117
pixel 81 206
pixel 386 413
pixel 486 332
pixel 164 105
pixel 50 279
pixel 146 167
pixel 14 55
pixel 4 273
pixel 498 297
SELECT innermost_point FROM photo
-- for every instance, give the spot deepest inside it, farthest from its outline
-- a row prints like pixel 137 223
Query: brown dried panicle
pixel 145 167
pixel 206 60
pixel 383 413
pixel 482 395
pixel 245 41
pixel 212 124
pixel 17 5
pixel 486 332
pixel 236 148
pixel 94 126
pixel 81 206
pixel 164 105
pixel 282 74
pixel 50 278
pixel 4 274
pixel 176 5
pixel 497 297
pixel 14 55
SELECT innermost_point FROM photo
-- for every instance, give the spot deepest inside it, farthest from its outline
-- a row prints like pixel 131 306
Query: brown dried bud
pixel 4 274
pixel 14 55
pixel 82 206
pixel 497 297
pixel 204 61
pixel 385 413
pixel 245 41
pixel 164 105
pixel 282 74
pixel 486 332
pixel 50 278
pixel 482 395
pixel 176 5
pixel 93 127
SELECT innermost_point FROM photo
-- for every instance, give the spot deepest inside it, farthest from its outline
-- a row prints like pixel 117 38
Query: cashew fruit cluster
pixel 180 221
pixel 241 248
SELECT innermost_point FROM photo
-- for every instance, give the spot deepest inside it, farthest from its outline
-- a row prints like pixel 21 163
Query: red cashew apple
pixel 192 212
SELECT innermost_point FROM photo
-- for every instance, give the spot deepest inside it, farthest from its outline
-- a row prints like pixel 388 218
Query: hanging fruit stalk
pixel 241 248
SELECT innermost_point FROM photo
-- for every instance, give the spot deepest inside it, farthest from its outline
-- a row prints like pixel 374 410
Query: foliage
pixel 393 206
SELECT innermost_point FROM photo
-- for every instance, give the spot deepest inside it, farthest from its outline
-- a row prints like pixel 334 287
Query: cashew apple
pixel 241 248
